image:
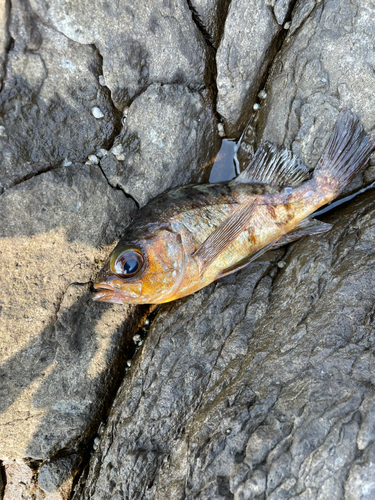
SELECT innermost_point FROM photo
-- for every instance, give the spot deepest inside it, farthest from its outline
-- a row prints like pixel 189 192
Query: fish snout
pixel 113 289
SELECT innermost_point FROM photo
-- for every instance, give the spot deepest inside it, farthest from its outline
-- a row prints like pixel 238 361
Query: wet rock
pixel 59 349
pixel 45 104
pixel 257 386
pixel 210 16
pixel 165 146
pixel 323 66
pixel 133 43
pixel 250 41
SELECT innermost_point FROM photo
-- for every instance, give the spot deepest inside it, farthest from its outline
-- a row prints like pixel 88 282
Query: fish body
pixel 192 235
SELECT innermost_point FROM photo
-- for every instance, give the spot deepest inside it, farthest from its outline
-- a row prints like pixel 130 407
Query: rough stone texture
pixel 140 43
pixel 57 346
pixel 52 475
pixel 45 105
pixel 250 41
pixel 258 386
pixel 211 17
pixel 22 483
pixel 327 64
pixel 4 36
pixel 168 146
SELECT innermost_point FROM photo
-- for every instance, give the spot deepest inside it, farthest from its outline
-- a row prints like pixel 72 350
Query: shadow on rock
pixel 66 375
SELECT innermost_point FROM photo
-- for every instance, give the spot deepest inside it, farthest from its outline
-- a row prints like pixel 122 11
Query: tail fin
pixel 347 152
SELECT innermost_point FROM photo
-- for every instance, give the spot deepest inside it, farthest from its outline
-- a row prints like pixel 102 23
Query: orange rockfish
pixel 190 236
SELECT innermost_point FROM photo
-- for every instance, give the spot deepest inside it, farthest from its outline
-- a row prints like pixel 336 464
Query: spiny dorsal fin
pixel 224 235
pixel 274 165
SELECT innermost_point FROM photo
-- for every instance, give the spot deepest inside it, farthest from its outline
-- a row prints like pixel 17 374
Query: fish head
pixel 143 271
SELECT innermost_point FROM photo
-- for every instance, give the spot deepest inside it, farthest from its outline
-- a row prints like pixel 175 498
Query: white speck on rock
pixel 281 264
pixel 256 106
pixel 94 159
pixel 262 94
pixel 2 131
pixel 96 112
pixel 102 153
pixel 221 130
pixel 101 80
pixel 116 150
pixel 66 163
pixel 121 157
pixel 287 25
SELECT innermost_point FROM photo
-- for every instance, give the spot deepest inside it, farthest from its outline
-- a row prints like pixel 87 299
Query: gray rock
pixel 361 480
pixel 251 39
pixel 45 105
pixel 4 36
pixel 260 385
pixel 326 65
pixel 139 45
pixel 165 146
pixel 59 349
pixel 210 16
pixel 21 482
pixel 53 474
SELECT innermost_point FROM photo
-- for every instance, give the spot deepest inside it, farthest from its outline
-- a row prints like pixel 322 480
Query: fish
pixel 193 235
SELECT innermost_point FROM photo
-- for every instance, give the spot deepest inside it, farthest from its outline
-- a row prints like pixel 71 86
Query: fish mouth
pixel 107 296
pixel 108 293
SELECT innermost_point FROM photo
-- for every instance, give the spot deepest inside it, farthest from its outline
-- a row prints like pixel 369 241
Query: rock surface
pixel 324 65
pixel 53 475
pixel 4 36
pixel 210 17
pixel 251 38
pixel 153 158
pixel 162 43
pixel 22 482
pixel 52 82
pixel 57 345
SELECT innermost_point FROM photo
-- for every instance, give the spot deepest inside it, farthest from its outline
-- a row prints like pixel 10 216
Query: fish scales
pixel 192 235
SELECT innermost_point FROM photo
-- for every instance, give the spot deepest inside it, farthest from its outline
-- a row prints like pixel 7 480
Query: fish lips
pixel 107 291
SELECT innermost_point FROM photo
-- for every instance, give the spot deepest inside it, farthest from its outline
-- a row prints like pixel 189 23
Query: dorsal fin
pixel 274 165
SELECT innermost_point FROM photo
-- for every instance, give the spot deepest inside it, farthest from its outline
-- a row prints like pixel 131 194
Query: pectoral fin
pixel 245 262
pixel 307 227
pixel 224 235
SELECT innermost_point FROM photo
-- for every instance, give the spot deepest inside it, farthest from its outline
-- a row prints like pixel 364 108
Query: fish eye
pixel 127 263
